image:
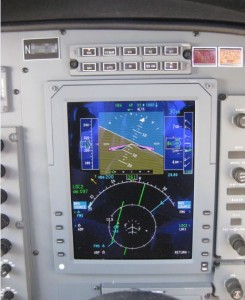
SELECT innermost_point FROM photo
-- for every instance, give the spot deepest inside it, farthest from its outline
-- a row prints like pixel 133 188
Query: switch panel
pixel 133 59
pixel 14 265
pixel 231 193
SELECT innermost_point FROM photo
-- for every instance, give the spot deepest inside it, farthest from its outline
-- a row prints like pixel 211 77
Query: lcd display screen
pixel 132 178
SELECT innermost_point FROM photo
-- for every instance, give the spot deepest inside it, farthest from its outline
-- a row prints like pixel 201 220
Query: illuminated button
pixel 205 240
pixel 88 51
pixel 173 50
pixel 206 226
pixel 150 51
pixel 205 253
pixel 130 66
pixel 150 66
pixel 171 66
pixel 110 51
pixel 109 67
pixel 60 241
pixel 59 227
pixel 58 213
pixel 130 51
pixel 207 212
pixel 61 254
pixel 89 67
pixel 204 266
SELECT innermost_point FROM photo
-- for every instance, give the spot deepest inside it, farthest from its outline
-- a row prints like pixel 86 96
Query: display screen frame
pixel 58 155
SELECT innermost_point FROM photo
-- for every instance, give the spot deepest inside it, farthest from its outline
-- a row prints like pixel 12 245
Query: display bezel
pixel 58 154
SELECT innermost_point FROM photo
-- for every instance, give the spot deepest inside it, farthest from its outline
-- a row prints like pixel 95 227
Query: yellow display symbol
pixel 93 181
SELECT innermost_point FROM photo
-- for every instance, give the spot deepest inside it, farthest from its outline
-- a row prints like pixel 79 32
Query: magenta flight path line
pixel 121 147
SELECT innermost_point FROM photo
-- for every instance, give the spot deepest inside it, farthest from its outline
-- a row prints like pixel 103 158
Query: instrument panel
pixel 128 169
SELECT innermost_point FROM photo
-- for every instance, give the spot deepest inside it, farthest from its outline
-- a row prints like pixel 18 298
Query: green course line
pixel 117 223
pixel 141 195
pixel 125 251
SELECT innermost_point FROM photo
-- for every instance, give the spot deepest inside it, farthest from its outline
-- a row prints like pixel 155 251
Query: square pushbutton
pixel 110 51
pixel 130 66
pixel 150 66
pixel 171 50
pixel 109 67
pixel 88 51
pixel 171 66
pixel 150 51
pixel 89 67
pixel 130 50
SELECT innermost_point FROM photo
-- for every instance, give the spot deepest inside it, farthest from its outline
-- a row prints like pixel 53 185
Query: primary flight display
pixel 132 178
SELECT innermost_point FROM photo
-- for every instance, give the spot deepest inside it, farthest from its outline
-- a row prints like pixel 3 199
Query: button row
pixel 131 66
pixel 204 265
pixel 129 51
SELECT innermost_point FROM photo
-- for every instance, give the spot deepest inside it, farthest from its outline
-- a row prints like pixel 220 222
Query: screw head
pixel 13 137
pixel 222 97
pixel 208 85
pixel 19 225
pixel 25 70
pixel 16 92
pixel 54 88
pixel 196 33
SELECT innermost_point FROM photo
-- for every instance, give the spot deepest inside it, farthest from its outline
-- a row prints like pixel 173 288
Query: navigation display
pixel 132 178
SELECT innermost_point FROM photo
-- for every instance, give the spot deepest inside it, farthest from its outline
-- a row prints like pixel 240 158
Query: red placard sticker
pixel 204 56
pixel 230 57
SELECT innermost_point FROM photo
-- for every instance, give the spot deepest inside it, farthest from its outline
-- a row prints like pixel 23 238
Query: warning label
pixel 230 57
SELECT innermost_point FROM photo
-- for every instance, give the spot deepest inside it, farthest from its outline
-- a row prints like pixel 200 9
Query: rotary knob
pixel 237 242
pixel 240 120
pixel 2 145
pixel 8 295
pixel 234 288
pixel 3 171
pixel 239 175
pixel 4 221
pixel 5 246
pixel 5 269
pixel 4 196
